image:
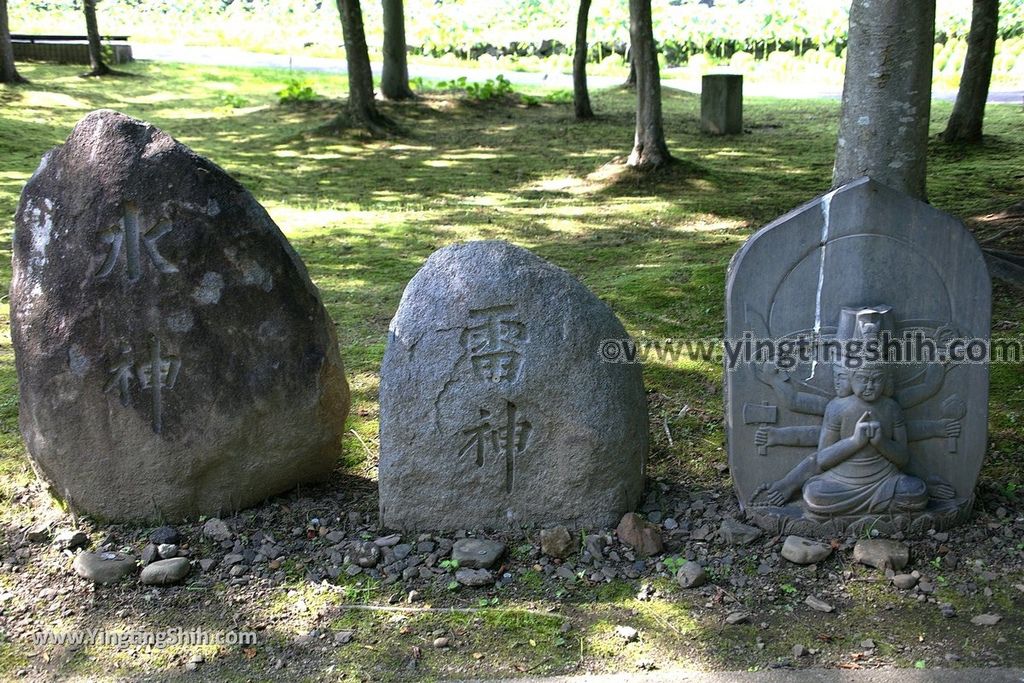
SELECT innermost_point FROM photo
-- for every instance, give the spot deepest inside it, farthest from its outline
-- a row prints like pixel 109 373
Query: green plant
pixel 359 592
pixel 788 588
pixel 448 565
pixel 107 53
pixel 869 531
pixel 454 84
pixel 522 551
pixel 562 96
pixel 296 90
pixel 453 585
pixel 487 602
pixel 490 89
pixel 233 101
pixel 674 564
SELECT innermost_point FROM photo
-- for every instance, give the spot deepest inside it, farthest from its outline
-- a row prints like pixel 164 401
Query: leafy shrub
pixel 490 90
pixel 295 91
pixel 233 101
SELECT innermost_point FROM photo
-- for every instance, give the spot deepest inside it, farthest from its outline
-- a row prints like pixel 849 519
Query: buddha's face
pixel 841 381
pixel 868 384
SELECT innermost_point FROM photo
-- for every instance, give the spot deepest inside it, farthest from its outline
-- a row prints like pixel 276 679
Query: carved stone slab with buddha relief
pixel 838 439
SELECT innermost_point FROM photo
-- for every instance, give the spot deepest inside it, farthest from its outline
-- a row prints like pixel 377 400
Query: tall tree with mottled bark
pixel 965 123
pixel 883 130
pixel 8 71
pixel 97 67
pixel 362 109
pixel 649 148
pixel 394 80
pixel 581 96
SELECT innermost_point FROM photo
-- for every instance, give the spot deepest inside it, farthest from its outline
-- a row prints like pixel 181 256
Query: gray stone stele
pixel 860 245
pixel 174 358
pixel 721 104
pixel 496 407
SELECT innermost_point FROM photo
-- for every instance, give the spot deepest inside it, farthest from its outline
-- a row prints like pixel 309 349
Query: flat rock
pixel 881 553
pixel 232 559
pixel 639 534
pixel 734 618
pixel 557 542
pixel 160 318
pixel 691 575
pixel 107 567
pixel 595 545
pixel 817 604
pixel 71 540
pixel 474 577
pixel 735 532
pixel 38 532
pixel 986 619
pixel 150 554
pixel 217 529
pixel 496 405
pixel 365 554
pixel 803 551
pixel 167 550
pixel 477 553
pixel 388 541
pixel 165 572
pixel 165 534
pixel 627 633
pixel 904 581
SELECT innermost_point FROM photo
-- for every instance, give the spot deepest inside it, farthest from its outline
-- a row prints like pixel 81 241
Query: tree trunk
pixel 96 64
pixel 581 97
pixel 883 130
pixel 969 111
pixel 630 81
pixel 394 80
pixel 361 107
pixel 649 148
pixel 8 71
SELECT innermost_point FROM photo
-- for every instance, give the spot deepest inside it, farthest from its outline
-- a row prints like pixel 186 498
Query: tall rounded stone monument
pixel 496 407
pixel 173 357
pixel 872 413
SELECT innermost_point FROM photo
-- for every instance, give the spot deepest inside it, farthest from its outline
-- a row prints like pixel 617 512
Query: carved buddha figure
pixel 862 451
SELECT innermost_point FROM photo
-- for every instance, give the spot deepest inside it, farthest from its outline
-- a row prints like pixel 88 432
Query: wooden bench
pixel 67 49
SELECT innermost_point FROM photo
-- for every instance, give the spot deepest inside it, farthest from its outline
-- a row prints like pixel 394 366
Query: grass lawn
pixel 365 214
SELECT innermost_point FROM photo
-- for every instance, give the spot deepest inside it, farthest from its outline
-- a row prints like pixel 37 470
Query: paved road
pixel 227 56
pixel 799 676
